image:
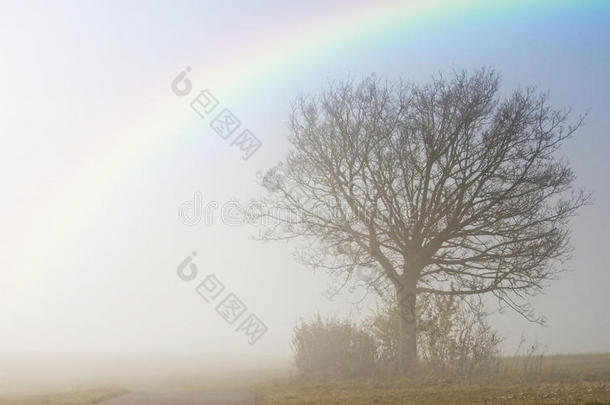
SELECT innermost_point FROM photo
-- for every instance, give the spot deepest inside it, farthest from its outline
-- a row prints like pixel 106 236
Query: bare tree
pixel 447 188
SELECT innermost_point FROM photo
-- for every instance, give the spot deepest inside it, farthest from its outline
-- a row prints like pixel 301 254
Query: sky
pixel 98 154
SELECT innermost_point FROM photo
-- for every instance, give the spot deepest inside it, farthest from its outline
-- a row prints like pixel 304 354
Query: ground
pixel 576 379
pixel 85 397
pixel 555 380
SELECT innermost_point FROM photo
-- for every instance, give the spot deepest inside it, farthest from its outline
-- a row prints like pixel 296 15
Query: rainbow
pixel 128 151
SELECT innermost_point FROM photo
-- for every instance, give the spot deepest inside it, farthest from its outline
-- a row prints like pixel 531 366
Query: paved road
pixel 167 398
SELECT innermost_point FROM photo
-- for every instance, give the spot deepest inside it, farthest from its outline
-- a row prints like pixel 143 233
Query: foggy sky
pixel 98 155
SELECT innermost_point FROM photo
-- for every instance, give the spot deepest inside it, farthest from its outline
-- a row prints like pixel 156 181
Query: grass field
pixel 87 397
pixel 68 379
pixel 575 379
pixel 578 379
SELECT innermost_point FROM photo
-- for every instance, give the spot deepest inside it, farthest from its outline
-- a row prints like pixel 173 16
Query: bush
pixel 334 349
pixel 454 337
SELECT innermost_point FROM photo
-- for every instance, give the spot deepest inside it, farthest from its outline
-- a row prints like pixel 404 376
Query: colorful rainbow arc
pixel 273 57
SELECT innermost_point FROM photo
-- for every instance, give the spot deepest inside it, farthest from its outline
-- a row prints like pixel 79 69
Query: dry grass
pixel 87 397
pixel 583 379
pixel 64 379
pixel 557 380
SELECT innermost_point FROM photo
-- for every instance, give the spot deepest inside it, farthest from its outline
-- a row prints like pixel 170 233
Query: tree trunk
pixel 407 346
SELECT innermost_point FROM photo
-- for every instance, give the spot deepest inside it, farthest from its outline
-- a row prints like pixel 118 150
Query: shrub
pixel 454 337
pixel 333 348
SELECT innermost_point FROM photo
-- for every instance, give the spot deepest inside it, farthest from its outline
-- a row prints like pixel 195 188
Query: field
pixel 68 379
pixel 574 379
pixel 578 379
pixel 87 397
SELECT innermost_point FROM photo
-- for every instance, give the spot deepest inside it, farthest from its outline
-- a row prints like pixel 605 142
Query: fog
pixel 99 156
pixel 44 373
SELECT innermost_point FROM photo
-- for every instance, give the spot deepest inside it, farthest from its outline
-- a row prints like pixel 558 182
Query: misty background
pixel 98 155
